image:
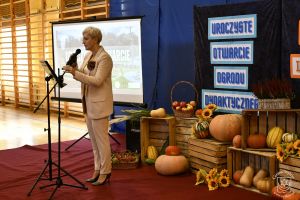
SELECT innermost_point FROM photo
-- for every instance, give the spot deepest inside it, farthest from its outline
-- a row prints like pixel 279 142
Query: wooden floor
pixel 20 126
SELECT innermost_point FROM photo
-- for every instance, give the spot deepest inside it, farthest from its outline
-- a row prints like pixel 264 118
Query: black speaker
pixel 133 141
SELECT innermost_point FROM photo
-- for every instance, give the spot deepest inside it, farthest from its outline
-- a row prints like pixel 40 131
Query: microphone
pixel 73 58
pixel 72 62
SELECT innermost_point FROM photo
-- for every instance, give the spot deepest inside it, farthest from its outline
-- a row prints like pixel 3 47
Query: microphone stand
pixel 49 161
pixel 48 92
pixel 59 181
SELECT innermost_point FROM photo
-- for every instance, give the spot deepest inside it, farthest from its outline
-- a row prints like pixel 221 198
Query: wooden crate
pixel 238 159
pixel 207 154
pixel 183 132
pixel 261 121
pixel 155 131
pixel 292 166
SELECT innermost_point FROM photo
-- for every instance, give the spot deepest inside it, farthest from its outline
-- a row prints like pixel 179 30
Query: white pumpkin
pixel 289 137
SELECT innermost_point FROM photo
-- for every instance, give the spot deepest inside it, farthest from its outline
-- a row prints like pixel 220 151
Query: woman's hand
pixel 69 69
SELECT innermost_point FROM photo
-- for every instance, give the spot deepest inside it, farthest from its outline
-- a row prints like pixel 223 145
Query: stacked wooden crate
pixel 260 122
pixel 289 170
pixel 239 159
pixel 183 132
pixel 155 131
pixel 207 154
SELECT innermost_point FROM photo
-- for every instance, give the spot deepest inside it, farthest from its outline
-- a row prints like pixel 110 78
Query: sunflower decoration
pixel 206 114
pixel 213 172
pixel 224 172
pixel 289 149
pixel 213 184
pixel 211 106
pixel 280 153
pixel 285 150
pixel 297 145
pixel 213 179
pixel 224 181
pixel 208 177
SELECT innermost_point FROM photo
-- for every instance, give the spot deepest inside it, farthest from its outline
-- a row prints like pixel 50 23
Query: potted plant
pixel 274 94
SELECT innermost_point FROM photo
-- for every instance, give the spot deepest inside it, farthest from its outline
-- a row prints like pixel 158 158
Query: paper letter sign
pixel 230 27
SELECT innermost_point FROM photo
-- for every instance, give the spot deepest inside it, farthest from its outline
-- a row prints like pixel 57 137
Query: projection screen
pixel 121 39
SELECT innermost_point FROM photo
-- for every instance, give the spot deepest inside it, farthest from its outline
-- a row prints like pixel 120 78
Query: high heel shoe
pixel 106 180
pixel 92 180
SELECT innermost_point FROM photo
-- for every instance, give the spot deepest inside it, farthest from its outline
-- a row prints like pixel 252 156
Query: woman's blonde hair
pixel 93 32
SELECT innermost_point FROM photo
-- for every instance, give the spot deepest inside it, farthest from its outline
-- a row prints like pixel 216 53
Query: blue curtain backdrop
pixel 167 45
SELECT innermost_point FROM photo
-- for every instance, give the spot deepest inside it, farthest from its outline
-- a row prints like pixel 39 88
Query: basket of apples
pixel 184 108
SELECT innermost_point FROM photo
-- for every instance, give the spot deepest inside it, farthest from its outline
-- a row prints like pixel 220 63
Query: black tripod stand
pixel 59 182
pixel 84 136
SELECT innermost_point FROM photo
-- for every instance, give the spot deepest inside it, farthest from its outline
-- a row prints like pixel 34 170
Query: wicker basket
pixel 180 113
pixel 121 164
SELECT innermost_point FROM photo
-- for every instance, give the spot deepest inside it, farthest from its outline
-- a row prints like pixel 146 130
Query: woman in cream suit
pixel 97 101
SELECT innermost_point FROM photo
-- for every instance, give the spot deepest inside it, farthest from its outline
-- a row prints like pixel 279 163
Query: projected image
pixel 121 39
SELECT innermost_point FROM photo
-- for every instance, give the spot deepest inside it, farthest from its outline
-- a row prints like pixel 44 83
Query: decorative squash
pixel 171 165
pixel 289 137
pixel 247 177
pixel 159 113
pixel 225 127
pixel 274 137
pixel 262 173
pixel 152 152
pixel 265 185
pixel 200 129
pixel 256 141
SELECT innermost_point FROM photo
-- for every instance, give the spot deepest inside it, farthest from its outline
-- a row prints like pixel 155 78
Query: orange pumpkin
pixel 171 165
pixel 278 193
pixel 292 196
pixel 225 127
pixel 256 141
pixel 172 151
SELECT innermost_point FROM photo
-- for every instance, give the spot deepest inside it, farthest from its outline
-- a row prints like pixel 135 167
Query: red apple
pixel 183 104
pixel 237 141
pixel 237 175
pixel 175 104
pixel 178 108
pixel 193 103
pixel 172 151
